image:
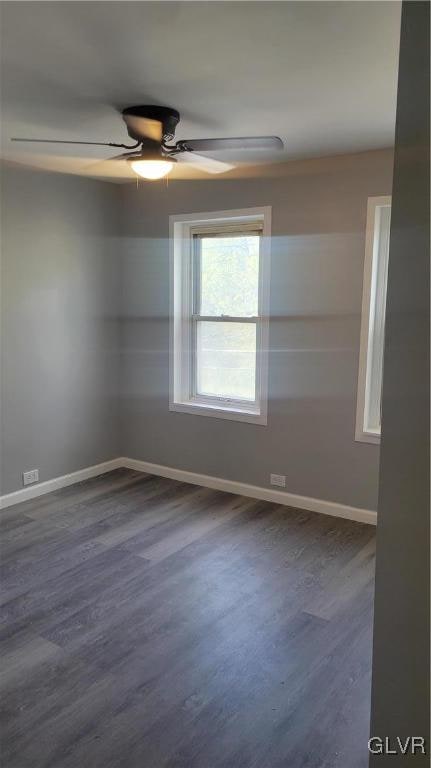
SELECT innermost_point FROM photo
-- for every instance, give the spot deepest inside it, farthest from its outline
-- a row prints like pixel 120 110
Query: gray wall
pixel 401 679
pixel 319 214
pixel 59 345
pixel 68 347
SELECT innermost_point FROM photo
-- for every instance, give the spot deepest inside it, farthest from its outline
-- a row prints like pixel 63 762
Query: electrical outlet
pixel 278 480
pixel 32 476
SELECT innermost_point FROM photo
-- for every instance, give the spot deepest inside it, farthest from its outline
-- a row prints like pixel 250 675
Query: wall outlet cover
pixel 32 476
pixel 279 480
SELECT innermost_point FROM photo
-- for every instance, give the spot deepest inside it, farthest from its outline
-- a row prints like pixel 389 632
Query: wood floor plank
pixel 154 512
pixel 148 623
pixel 61 500
pixel 191 531
pixel 11 519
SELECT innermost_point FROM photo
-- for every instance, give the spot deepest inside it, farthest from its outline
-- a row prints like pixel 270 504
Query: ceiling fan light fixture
pixel 151 169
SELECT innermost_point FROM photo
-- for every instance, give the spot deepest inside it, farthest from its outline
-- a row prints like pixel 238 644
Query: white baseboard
pixel 256 492
pixel 217 483
pixel 39 489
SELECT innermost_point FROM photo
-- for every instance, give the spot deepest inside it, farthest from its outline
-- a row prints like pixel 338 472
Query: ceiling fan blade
pixel 239 142
pixel 125 156
pixel 64 141
pixel 207 164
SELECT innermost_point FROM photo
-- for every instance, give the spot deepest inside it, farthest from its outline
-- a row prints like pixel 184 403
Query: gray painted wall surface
pixel 59 349
pixel 63 275
pixel 401 673
pixel 318 227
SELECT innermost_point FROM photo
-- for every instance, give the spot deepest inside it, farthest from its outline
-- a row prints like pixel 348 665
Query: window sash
pixel 370 378
pixel 240 230
pixel 227 228
pixel 376 331
pixel 182 308
pixel 198 396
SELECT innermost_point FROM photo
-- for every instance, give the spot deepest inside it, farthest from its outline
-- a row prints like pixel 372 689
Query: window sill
pixel 370 436
pixel 219 412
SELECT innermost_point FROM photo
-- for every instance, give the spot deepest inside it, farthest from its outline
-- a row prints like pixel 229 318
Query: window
pixel 219 314
pixel 368 415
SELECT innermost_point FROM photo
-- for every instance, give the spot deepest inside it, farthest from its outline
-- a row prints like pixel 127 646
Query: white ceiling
pixel 321 75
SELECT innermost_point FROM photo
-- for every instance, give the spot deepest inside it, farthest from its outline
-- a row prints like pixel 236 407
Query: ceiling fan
pixel 153 127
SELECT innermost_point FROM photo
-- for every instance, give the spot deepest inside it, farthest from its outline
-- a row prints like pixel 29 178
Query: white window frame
pixel 181 397
pixel 372 323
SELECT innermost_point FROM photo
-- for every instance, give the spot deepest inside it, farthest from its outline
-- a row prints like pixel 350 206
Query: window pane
pixel 377 318
pixel 229 275
pixel 226 359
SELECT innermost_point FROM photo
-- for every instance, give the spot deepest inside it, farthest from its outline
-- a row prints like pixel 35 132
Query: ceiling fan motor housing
pixel 168 117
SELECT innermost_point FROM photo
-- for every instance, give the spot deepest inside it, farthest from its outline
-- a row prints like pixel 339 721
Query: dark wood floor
pixel 153 624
